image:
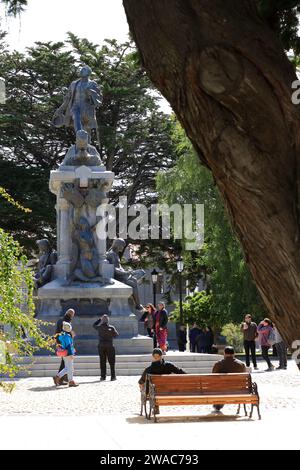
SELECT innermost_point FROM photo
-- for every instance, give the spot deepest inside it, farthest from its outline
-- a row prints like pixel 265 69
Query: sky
pixel 50 20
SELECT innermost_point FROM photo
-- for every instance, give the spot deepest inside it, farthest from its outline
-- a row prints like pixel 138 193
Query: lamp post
pixel 154 277
pixel 179 270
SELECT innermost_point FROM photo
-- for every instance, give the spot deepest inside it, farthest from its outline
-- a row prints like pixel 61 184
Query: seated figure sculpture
pixel 47 259
pixel 128 277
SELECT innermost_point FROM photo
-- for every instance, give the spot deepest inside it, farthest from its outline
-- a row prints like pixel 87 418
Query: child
pixel 65 340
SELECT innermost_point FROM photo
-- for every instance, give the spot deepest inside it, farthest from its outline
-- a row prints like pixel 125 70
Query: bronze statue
pixel 79 106
pixel 129 277
pixel 47 259
pixel 85 259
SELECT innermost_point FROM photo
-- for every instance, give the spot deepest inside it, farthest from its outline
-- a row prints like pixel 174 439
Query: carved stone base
pixel 90 301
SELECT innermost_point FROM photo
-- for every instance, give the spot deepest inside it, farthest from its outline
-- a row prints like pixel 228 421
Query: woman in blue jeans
pixel 65 340
pixel 265 329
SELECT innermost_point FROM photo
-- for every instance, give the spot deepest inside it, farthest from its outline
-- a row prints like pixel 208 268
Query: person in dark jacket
pixel 281 349
pixel 201 341
pixel 249 330
pixel 68 317
pixel 159 367
pixel 106 349
pixel 195 332
pixel 148 318
pixel 160 327
pixel 209 339
pixel 181 338
pixel 228 365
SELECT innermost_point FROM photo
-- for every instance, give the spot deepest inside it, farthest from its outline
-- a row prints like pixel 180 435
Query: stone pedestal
pixel 78 177
pixel 81 191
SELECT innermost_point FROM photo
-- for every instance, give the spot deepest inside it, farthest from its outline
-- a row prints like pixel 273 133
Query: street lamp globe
pixel 179 264
pixel 154 276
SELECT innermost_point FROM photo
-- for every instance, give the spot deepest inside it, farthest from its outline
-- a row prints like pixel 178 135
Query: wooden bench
pixel 199 389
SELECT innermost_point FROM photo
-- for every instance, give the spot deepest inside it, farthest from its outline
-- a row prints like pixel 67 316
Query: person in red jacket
pixel 160 327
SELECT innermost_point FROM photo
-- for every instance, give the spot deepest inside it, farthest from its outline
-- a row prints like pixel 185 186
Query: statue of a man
pixel 127 277
pixel 80 103
pixel 47 259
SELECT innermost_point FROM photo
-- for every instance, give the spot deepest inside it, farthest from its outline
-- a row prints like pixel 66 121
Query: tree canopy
pixel 220 262
pixel 21 334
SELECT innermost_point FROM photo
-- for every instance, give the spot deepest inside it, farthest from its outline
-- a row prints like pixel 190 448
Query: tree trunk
pixel 228 80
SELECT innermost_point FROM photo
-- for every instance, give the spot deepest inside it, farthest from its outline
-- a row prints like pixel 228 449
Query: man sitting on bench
pixel 159 367
pixel 228 365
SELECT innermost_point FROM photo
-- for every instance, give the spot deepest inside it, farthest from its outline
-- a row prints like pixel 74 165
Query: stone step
pixel 135 365
pixel 46 366
pixel 96 372
pixel 171 356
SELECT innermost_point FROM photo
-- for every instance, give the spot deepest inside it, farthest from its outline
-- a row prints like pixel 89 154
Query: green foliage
pixel 234 336
pixel 4 194
pixel 198 308
pixel 14 7
pixel 283 17
pixel 220 262
pixel 16 306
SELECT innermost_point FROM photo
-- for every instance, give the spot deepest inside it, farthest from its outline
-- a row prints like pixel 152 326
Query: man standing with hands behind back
pixel 249 330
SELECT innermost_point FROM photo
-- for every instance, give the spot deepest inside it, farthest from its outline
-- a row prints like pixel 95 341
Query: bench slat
pixel 205 400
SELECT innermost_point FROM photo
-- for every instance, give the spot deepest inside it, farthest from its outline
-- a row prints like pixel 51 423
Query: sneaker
pixel 270 369
pixel 73 384
pixel 279 368
pixel 256 368
pixel 113 379
pixel 56 380
pixel 102 379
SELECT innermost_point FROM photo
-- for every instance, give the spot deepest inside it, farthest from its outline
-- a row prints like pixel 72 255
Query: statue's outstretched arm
pixel 65 102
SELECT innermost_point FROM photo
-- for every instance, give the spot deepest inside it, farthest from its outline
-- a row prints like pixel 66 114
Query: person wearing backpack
pixel 65 349
pixel 266 338
pixel 68 317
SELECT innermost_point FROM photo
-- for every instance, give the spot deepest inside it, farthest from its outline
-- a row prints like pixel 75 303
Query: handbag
pixel 61 352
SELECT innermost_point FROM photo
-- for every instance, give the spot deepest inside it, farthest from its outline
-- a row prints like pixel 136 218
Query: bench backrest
pixel 202 383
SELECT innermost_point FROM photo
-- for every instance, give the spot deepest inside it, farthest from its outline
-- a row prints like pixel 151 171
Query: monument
pixel 86 276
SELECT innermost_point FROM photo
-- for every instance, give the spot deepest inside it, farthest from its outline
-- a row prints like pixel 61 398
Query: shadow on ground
pixel 188 419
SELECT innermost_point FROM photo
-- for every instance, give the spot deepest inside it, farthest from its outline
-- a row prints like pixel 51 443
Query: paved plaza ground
pixel 106 416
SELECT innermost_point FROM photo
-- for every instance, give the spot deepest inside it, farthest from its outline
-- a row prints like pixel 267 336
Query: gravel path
pixel 39 396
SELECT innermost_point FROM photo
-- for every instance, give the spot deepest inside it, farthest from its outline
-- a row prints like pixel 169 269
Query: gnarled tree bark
pixel 228 80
